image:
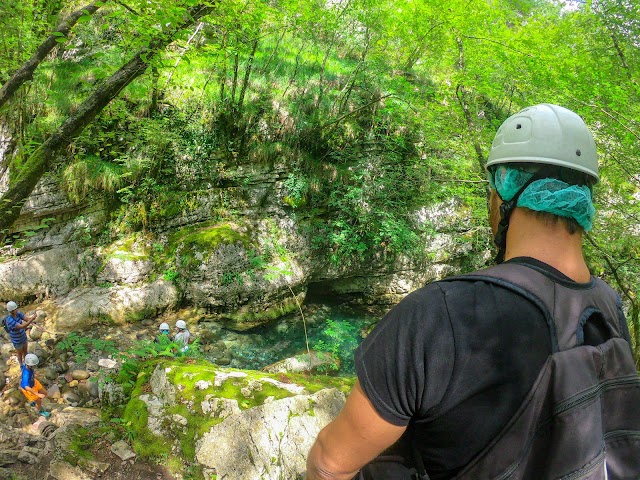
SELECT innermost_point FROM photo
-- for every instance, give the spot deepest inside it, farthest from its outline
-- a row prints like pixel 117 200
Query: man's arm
pixel 29 319
pixel 353 439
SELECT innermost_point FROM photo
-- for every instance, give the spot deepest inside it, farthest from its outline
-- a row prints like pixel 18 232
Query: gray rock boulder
pixel 85 306
pixel 128 269
pixel 111 393
pixel 271 441
pixel 70 396
pixel 53 391
pixel 8 457
pixel 75 416
pixel 6 350
pixel 35 333
pixel 80 374
pixel 122 450
pixel 319 361
pixel 51 272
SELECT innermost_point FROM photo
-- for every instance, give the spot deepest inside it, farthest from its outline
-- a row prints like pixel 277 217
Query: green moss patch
pixel 79 446
pixel 244 319
pixel 135 419
pixel 189 246
pixel 208 237
pixel 198 381
pixel 128 248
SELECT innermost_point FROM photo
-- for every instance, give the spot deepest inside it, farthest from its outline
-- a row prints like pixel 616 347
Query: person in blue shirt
pixel 17 324
pixel 29 384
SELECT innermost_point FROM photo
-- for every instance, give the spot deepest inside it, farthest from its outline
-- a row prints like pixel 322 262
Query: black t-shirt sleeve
pixel 410 348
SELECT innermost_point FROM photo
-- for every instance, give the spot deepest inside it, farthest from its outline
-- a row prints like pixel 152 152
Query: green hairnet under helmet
pixel 523 165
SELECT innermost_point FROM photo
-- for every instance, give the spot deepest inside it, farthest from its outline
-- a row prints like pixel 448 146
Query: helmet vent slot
pixel 518 126
pixel 578 152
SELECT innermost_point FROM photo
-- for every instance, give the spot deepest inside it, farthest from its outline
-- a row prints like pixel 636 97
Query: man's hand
pixel 353 439
pixel 41 395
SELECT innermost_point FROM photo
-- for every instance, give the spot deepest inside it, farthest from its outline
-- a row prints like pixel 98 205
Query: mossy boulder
pixel 126 261
pixel 242 423
pixel 242 274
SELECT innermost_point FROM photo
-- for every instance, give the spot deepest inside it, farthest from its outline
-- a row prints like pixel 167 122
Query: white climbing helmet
pixel 164 326
pixel 181 324
pixel 31 359
pixel 546 134
pixel 11 306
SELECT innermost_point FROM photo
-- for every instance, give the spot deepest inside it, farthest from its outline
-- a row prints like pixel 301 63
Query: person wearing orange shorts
pixel 29 384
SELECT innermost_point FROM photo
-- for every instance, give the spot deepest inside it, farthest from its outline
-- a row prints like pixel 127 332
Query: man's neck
pixel 530 236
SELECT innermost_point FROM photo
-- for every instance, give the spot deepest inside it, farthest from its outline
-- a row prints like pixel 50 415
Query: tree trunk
pixel 155 75
pixel 247 74
pixel 295 73
pixel 24 180
pixel 234 85
pixel 25 72
pixel 461 93
pixel 223 71
pixel 265 69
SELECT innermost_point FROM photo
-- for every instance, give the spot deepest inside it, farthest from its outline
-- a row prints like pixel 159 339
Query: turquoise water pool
pixel 336 329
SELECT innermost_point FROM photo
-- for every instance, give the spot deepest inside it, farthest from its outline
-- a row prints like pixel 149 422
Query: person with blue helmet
pixel 163 337
pixel 457 380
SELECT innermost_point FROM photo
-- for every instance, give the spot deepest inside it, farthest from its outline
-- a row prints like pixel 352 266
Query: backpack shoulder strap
pixel 590 388
pixel 566 309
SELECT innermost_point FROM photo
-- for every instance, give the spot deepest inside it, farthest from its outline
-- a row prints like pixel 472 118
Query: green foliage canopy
pixel 377 107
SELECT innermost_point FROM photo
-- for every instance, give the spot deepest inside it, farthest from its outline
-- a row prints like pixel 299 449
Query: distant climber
pixel 16 323
pixel 182 337
pixel 163 337
pixel 30 386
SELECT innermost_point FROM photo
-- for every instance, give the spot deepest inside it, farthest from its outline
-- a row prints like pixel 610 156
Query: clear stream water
pixel 337 328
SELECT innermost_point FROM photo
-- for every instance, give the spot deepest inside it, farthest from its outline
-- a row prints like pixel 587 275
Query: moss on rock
pixel 207 237
pixel 129 248
pixel 204 393
pixel 246 319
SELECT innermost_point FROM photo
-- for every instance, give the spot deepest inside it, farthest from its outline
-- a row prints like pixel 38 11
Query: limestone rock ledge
pixel 83 307
pixel 269 441
pixel 237 424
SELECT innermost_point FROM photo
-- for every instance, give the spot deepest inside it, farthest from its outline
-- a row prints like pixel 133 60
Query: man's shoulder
pixel 444 287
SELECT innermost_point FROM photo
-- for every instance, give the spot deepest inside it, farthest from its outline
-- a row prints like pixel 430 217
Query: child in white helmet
pixel 29 384
pixel 163 337
pixel 182 337
pixel 16 324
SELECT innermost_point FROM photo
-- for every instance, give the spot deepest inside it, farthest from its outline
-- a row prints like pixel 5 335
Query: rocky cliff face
pixel 238 255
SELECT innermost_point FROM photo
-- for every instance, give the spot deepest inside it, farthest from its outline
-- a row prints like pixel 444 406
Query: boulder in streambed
pixel 323 362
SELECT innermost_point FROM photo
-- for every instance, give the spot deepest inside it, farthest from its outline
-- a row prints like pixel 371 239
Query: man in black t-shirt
pixel 454 360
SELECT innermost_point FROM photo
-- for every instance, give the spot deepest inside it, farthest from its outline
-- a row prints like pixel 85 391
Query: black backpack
pixel 580 419
pixel 5 326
